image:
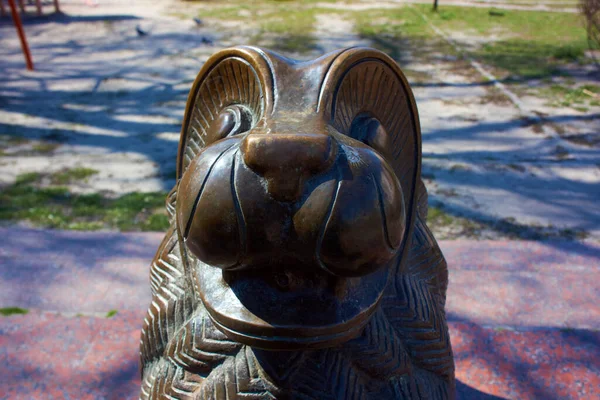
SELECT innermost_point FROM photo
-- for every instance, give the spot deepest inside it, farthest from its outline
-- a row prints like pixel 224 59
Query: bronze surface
pixel 298 264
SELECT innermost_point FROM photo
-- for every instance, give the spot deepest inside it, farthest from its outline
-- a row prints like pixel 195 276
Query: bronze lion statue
pixel 298 264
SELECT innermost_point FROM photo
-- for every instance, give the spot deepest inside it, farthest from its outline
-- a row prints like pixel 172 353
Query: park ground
pixel 508 94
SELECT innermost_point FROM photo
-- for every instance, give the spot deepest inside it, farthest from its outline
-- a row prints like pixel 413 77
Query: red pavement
pixel 524 317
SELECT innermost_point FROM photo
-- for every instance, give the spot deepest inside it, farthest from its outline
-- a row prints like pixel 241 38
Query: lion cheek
pixel 311 217
pixel 214 231
pixel 355 241
pixel 392 206
pixel 194 179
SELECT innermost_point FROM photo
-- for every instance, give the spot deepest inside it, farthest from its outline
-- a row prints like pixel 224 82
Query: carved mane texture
pixel 298 264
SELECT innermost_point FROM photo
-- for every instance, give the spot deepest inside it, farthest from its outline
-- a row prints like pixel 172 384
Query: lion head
pixel 296 192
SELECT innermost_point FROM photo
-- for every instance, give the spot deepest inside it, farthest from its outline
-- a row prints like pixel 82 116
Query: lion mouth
pixel 319 311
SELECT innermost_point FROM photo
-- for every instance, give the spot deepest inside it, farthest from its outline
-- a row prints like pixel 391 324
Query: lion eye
pixel 371 132
pixel 231 121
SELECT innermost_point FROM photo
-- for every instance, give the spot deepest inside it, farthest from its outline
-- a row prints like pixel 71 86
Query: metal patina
pixel 298 264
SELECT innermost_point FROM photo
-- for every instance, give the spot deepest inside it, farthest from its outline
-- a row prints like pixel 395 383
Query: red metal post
pixel 38 5
pixel 56 7
pixel 17 21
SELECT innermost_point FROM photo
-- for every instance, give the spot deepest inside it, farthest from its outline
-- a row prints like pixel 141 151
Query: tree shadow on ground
pixel 30 19
pixel 118 92
pixel 91 270
pixel 523 362
pixel 518 61
pixel 466 392
pixel 85 95
pixel 71 357
pixel 99 357
pixel 480 172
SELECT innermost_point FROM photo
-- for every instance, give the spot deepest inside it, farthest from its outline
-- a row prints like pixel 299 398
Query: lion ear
pixel 238 76
pixel 365 85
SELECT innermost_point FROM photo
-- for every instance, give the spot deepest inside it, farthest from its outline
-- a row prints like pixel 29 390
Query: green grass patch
pixel 44 147
pixel 546 27
pixel 535 3
pixel 438 217
pixel 445 225
pixel 397 22
pixel 156 222
pixel 13 140
pixel 8 311
pixel 523 44
pixel 294 44
pixel 576 97
pixel 286 19
pixel 111 313
pixel 228 11
pixel 533 43
pixel 285 26
pixel 520 59
pixel 493 95
pixel 56 207
pixel 25 146
pixel 72 175
pixel 30 177
pixel 516 167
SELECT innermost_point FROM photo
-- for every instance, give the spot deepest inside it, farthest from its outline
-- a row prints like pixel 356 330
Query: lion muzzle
pixel 270 200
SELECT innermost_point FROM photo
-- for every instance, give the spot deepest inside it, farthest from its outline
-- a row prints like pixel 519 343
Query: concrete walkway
pixel 524 316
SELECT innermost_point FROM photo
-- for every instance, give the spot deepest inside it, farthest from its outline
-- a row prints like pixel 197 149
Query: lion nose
pixel 287 160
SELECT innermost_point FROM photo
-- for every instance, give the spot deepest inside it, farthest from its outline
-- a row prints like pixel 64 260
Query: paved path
pixel 524 316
